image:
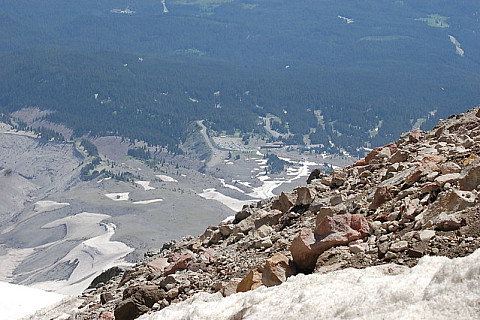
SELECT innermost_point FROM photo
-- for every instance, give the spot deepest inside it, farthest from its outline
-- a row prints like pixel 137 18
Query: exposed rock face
pixel 418 196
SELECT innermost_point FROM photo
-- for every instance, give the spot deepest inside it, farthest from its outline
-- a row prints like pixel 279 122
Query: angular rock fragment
pixel 276 270
pixel 284 202
pixel 252 281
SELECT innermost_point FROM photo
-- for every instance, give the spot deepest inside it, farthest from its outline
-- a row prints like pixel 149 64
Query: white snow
pixel 118 196
pixel 165 178
pixel 226 185
pixel 145 185
pixel 437 288
pixel 91 256
pixel 47 205
pixel 234 204
pixel 18 301
pixel 148 201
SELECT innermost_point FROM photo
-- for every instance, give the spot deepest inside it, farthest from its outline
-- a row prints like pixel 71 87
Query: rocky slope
pixel 416 197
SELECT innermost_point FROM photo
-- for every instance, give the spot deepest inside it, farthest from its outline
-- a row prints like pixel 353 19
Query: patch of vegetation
pixel 90 148
pixel 140 153
pixel 275 164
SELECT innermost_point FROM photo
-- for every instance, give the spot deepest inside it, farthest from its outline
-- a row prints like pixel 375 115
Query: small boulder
pixel 138 300
pixel 180 261
pixel 381 196
pixel 276 270
pixel 303 253
pixel 271 217
pixel 447 222
pixel 284 202
pixel 252 281
pixel 470 178
pixel 305 196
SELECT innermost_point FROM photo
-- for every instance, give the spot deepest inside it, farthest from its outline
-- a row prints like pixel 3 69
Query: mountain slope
pixel 413 198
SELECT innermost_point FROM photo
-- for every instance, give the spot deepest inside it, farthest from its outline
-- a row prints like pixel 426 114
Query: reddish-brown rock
pixel 252 281
pixel 284 202
pixel 179 262
pixel 385 151
pixel 303 253
pixel 276 270
pixel 381 196
pixel 305 196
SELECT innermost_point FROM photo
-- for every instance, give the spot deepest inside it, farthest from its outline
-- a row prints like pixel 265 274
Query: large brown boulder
pixel 470 178
pixel 303 251
pixel 285 201
pixel 276 270
pixel 138 300
pixel 331 231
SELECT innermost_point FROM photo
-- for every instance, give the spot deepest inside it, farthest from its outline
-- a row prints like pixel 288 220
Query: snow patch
pixel 234 204
pixel 47 205
pixel 437 288
pixel 148 201
pixel 165 178
pixel 18 301
pixel 145 185
pixel 118 196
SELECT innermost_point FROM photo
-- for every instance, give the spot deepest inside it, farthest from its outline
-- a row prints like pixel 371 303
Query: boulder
pixel 284 202
pixel 305 196
pixel 470 178
pixel 447 222
pixel 380 196
pixel 338 178
pixel 138 300
pixel 230 287
pixel 276 270
pixel 270 218
pixel 158 264
pixel 252 281
pixel 303 253
pixel 180 261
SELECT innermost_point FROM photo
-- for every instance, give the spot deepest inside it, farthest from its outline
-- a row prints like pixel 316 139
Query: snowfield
pixel 17 301
pixel 437 288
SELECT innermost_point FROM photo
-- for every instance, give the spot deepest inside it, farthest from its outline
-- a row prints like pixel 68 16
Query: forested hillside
pixel 353 73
